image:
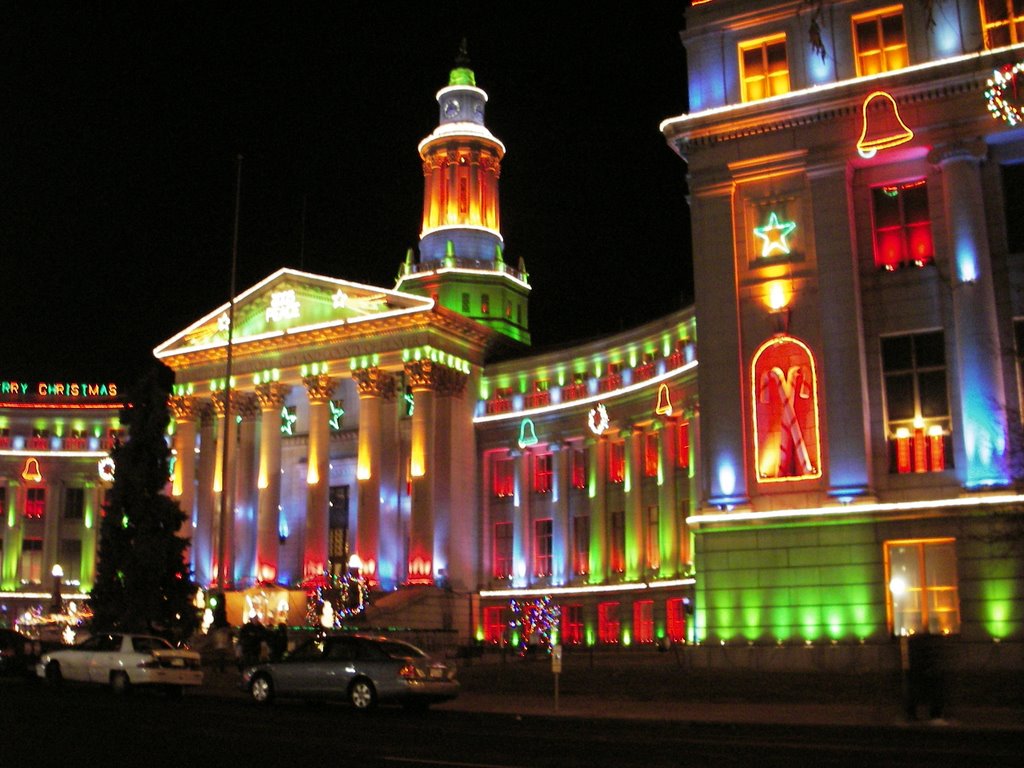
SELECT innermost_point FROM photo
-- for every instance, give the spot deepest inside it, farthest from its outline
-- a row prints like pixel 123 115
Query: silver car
pixel 362 669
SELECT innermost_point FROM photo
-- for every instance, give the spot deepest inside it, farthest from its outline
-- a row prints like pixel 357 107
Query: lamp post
pixel 56 603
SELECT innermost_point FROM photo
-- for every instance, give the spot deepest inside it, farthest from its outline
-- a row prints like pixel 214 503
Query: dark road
pixel 85 726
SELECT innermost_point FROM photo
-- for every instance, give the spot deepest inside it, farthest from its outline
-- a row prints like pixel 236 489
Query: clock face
pixel 451 108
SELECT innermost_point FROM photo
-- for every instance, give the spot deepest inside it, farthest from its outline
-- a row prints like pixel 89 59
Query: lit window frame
pixel 884 52
pixel 927 593
pixel 1009 23
pixel 501 552
pixel 766 80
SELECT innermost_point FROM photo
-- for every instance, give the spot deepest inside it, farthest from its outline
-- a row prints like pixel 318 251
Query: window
pixel 1003 22
pixel 675 619
pixel 917 409
pixel 540 396
pixel 463 196
pixel 579 468
pixel 922 592
pixel 651 454
pixel 337 528
pixel 542 547
pixel 502 550
pixel 1018 337
pixel 903 228
pixel 764 70
pixel 653 540
pixel 74 503
pixel 494 625
pixel 542 473
pixel 32 560
pixel 618 542
pixel 643 621
pixel 683 445
pixel 504 477
pixel 1013 205
pixel 69 555
pixel 879 41
pixel 617 461
pixel 465 302
pixel 608 622
pixel 485 304
pixel 35 503
pixel 581 545
pixel 572 624
pixel 508 309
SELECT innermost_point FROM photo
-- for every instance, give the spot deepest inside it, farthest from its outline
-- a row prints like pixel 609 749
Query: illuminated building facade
pixel 852 174
pixel 55 439
pixel 372 422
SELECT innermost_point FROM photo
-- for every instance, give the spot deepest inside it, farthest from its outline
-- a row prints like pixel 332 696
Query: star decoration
pixel 339 299
pixel 223 322
pixel 774 235
pixel 288 420
pixel 336 413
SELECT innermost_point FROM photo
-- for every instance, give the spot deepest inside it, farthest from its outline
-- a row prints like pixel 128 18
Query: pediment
pixel 289 302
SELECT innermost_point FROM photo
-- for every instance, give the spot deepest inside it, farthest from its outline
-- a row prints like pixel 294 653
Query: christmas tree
pixel 143 583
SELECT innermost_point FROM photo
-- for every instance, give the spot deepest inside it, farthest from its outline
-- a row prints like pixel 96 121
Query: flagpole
pixel 223 577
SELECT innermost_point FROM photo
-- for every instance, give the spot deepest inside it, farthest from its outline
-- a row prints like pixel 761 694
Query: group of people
pixel 256 643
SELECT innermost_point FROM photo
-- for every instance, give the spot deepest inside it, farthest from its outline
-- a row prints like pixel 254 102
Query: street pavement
pixel 485 688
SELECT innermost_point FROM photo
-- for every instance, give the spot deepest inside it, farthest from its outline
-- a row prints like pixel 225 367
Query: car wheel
pixel 119 683
pixel 54 678
pixel 362 694
pixel 262 689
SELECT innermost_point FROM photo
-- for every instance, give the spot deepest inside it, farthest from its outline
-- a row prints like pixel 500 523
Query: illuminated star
pixel 774 234
pixel 339 299
pixel 336 413
pixel 223 322
pixel 287 421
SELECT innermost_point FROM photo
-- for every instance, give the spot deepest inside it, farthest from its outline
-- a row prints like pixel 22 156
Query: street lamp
pixel 56 604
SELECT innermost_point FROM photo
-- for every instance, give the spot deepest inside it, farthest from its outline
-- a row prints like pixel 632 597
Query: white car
pixel 123 660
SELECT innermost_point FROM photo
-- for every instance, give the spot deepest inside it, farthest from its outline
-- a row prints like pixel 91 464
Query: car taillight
pixel 409 672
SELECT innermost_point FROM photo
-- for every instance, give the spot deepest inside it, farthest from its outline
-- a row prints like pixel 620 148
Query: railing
pixel 538 399
pixel 575 391
pixel 499 405
pixel 481 264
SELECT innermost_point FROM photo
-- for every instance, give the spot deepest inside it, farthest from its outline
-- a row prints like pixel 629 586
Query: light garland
pixel 1001 79
pixel 534 618
pixel 331 598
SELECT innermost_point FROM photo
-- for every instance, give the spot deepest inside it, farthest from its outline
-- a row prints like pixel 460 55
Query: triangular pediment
pixel 289 302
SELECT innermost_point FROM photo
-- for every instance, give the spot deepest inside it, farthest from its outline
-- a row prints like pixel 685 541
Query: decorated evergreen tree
pixel 142 580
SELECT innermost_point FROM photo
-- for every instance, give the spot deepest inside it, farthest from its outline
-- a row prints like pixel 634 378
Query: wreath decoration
pixel 598 419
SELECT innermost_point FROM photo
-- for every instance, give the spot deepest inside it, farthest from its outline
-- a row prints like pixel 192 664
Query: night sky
pixel 119 131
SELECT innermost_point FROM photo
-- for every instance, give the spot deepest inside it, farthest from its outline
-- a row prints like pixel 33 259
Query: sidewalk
pixel 482 692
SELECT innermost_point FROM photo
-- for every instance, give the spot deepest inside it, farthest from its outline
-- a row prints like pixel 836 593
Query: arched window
pixel 787 444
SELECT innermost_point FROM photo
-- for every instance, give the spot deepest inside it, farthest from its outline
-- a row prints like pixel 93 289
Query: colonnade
pixel 596 501
pixel 234 486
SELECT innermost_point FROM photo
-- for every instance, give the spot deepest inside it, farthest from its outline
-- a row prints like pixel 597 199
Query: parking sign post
pixel 556 668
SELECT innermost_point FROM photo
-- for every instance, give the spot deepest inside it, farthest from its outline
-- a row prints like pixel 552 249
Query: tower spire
pixel 460 262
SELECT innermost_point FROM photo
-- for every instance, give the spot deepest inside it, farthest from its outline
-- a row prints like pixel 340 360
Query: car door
pixel 104 658
pixel 301 671
pixel 74 662
pixel 340 667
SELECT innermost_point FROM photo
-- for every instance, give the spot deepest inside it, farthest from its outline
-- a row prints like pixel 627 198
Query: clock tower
pixel 461 251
